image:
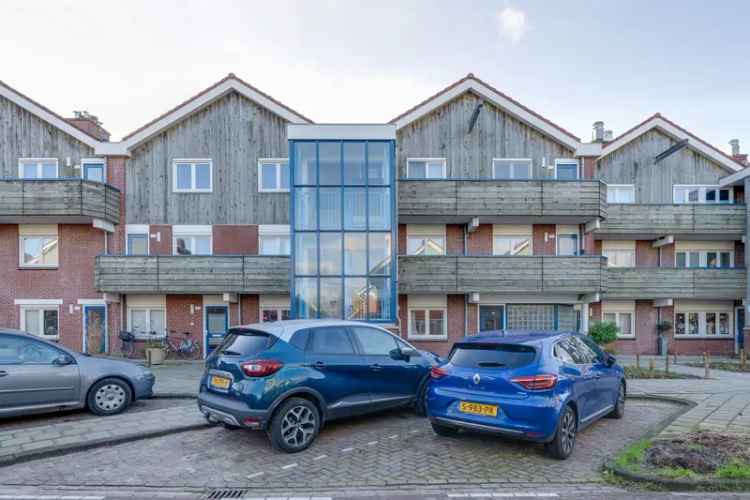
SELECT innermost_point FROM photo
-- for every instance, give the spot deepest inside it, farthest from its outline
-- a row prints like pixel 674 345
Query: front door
pixel 491 318
pixel 739 321
pixel 217 324
pixel 95 329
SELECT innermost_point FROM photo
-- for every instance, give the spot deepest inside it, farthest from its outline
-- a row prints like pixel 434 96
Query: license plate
pixel 220 382
pixel 477 409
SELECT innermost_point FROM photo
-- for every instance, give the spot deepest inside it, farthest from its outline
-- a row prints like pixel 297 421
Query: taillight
pixel 438 372
pixel 261 367
pixel 536 382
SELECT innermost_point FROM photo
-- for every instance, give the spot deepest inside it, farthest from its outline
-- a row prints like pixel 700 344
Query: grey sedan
pixel 38 376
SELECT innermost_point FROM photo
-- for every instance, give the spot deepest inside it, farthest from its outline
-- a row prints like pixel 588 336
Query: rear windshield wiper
pixel 491 364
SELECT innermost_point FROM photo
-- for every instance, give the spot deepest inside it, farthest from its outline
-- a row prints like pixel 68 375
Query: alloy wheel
pixel 568 431
pixel 298 426
pixel 110 397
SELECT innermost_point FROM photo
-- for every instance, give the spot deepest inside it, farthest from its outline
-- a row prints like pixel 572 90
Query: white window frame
pixel 427 309
pixel 38 162
pixel 190 231
pixel 614 188
pixel 41 305
pixel 427 234
pixel 512 231
pixel 579 242
pixel 617 314
pixel 702 188
pixel 444 162
pixel 702 324
pixel 278 162
pixel 512 169
pixel 703 258
pixel 568 161
pixel 608 253
pixel 149 310
pixel 277 309
pixel 193 162
pixel 24 265
pixel 137 229
pixel 271 230
pixel 97 161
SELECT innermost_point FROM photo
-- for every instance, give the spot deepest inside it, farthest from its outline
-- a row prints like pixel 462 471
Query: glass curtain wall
pixel 343 230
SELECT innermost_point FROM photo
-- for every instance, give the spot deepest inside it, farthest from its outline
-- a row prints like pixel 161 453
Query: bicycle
pixel 185 348
pixel 127 344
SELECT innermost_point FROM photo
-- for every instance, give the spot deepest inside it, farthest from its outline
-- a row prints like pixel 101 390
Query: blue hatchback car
pixel 289 377
pixel 543 387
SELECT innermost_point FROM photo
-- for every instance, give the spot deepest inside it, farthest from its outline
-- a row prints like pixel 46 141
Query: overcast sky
pixel 574 62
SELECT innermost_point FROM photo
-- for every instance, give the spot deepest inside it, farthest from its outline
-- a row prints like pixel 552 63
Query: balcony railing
pixel 461 199
pixel 71 200
pixel 652 221
pixel 676 283
pixel 501 274
pixel 192 274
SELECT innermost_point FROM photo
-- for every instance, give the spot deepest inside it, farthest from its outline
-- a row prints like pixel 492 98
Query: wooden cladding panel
pixel 674 219
pixel 668 283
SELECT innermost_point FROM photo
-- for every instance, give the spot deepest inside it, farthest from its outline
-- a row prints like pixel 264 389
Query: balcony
pixel 676 283
pixel 68 200
pixel 179 274
pixel 509 201
pixel 501 274
pixel 689 221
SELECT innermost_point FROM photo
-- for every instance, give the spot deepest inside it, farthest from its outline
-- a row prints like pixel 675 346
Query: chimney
pixel 598 132
pixel 89 124
pixel 738 157
pixel 608 136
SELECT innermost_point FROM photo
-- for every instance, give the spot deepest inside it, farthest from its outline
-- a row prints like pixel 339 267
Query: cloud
pixel 512 24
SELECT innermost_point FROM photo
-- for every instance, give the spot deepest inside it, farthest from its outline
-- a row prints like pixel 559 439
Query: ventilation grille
pixel 225 493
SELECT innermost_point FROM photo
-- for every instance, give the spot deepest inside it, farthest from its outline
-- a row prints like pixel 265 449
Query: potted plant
pixel 155 352
pixel 604 333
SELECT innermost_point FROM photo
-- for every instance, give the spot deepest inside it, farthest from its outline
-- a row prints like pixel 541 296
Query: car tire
pixel 444 430
pixel 109 396
pixel 420 405
pixel 294 425
pixel 619 410
pixel 561 446
pixel 230 427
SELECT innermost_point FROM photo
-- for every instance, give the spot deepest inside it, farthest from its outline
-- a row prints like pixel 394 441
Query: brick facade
pixel 235 239
pixel 160 236
pixel 479 242
pixel 542 247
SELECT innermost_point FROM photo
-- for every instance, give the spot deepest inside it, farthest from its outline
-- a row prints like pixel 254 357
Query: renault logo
pixel 476 378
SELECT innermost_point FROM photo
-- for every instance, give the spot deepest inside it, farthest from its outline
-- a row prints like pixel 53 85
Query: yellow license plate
pixel 220 382
pixel 477 408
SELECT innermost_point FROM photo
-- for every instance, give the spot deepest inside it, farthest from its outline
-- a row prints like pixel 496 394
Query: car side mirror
pixel 63 360
pixel 407 352
pixel 610 360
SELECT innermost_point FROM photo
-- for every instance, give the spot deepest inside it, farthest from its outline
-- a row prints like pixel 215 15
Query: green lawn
pixel 634 372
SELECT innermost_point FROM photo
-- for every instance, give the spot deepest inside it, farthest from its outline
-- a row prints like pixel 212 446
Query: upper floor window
pixel 705 258
pixel 425 240
pixel 274 239
pixel 38 168
pixel 426 168
pixel 38 245
pixel 702 194
pixel 511 240
pixel 619 253
pixel 93 169
pixel 568 242
pixel 273 175
pixel 566 169
pixel 137 239
pixel 192 176
pixel 510 168
pixel 620 193
pixel 192 240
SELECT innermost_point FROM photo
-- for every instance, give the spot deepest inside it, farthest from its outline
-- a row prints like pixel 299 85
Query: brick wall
pixel 589 167
pixel 235 239
pixel 472 326
pixel 645 254
pixel 250 308
pixel 479 242
pixel 161 244
pixel 181 320
pixel 667 256
pixel 542 247
pixel 116 178
pixel 454 236
pixel 456 324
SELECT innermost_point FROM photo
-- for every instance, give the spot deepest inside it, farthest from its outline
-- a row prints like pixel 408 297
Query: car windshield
pixel 245 342
pixel 492 355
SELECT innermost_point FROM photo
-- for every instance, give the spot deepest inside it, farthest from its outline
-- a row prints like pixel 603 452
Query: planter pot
pixel 154 355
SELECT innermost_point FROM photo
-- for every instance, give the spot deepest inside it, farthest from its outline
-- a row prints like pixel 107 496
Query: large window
pixel 192 176
pixel 343 230
pixel 39 251
pixel 702 194
pixel 566 170
pixel 147 322
pixel 273 175
pixel 426 168
pixel 624 320
pixel 41 320
pixel 506 168
pixel 511 240
pixel 428 324
pixel 619 253
pixel 620 193
pixel 709 324
pixel 274 239
pixel 425 239
pixel 568 242
pixel 191 240
pixel 38 168
pixel 705 258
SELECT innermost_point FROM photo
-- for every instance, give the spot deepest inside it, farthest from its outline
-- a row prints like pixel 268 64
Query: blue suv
pixel 543 387
pixel 289 377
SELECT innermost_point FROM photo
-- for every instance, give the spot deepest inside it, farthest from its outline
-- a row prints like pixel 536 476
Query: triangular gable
pixel 470 83
pixel 676 132
pixel 206 97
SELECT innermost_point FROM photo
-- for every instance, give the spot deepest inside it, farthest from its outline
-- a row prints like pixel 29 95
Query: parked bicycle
pixel 185 348
pixel 127 344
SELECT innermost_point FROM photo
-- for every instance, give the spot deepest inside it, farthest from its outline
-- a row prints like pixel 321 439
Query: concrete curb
pixel 174 395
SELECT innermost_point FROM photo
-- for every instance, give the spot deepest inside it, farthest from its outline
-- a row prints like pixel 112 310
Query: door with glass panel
pixel 217 324
pixel 95 329
pixel 491 317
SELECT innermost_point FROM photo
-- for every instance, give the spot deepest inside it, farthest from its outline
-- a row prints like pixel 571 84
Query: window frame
pixel 41 307
pixel 149 310
pixel 425 235
pixel 277 162
pixel 427 336
pixel 619 251
pixel 702 189
pixel 703 258
pixel 557 242
pixel 617 314
pixel 513 170
pixel 94 161
pixel 444 162
pixel 137 229
pixel 23 265
pixel 193 162
pixel 568 161
pixel 191 232
pixel 274 230
pixel 38 161
pixel 616 188
pixel 278 310
pixel 702 324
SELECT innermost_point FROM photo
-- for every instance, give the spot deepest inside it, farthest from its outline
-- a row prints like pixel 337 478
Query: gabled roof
pixel 47 115
pixel 491 94
pixel 657 121
pixel 204 98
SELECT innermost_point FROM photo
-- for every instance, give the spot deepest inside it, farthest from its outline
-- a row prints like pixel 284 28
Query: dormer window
pixel 426 168
pixel 38 168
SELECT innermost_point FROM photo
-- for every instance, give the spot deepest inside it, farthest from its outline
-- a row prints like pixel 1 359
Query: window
pixel 137 239
pixel 17 350
pixel 620 193
pixel 624 320
pixel 702 324
pixel 426 168
pixel 192 176
pixel 427 324
pixel 577 350
pixel 702 194
pixel 192 240
pixel 93 170
pixel 512 245
pixel 39 251
pixel 273 175
pixel 38 168
pixel 718 259
pixel 508 356
pixel 41 320
pixel 331 340
pixel 274 239
pixel 425 239
pixel 567 240
pixel 271 314
pixel 566 169
pixel 505 168
pixel 374 342
pixel 620 257
pixel 143 321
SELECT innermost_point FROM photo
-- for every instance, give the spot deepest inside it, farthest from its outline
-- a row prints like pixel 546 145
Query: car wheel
pixel 561 446
pixel 230 427
pixel 109 397
pixel 420 405
pixel 444 431
pixel 619 409
pixel 295 425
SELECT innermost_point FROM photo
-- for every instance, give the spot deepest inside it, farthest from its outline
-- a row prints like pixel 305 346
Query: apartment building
pixel 468 212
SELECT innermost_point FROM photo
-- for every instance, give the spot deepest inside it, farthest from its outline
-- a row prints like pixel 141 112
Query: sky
pixel 574 62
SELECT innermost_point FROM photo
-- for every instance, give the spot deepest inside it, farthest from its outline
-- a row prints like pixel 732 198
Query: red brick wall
pixel 595 312
pixel 472 319
pixel 454 236
pixel 250 308
pixel 402 239
pixel 235 239
pixel 589 244
pixel 180 320
pixel 589 167
pixel 456 324
pixel 479 242
pixel 645 254
pixel 164 244
pixel 403 320
pixel 540 246
pixel 667 256
pixel 116 178
pixel 645 331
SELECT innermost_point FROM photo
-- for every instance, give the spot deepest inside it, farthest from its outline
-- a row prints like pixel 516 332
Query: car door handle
pixel 319 364
pixel 3 373
pixel 376 367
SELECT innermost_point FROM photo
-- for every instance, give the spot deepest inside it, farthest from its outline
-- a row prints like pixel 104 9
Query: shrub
pixel 604 332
